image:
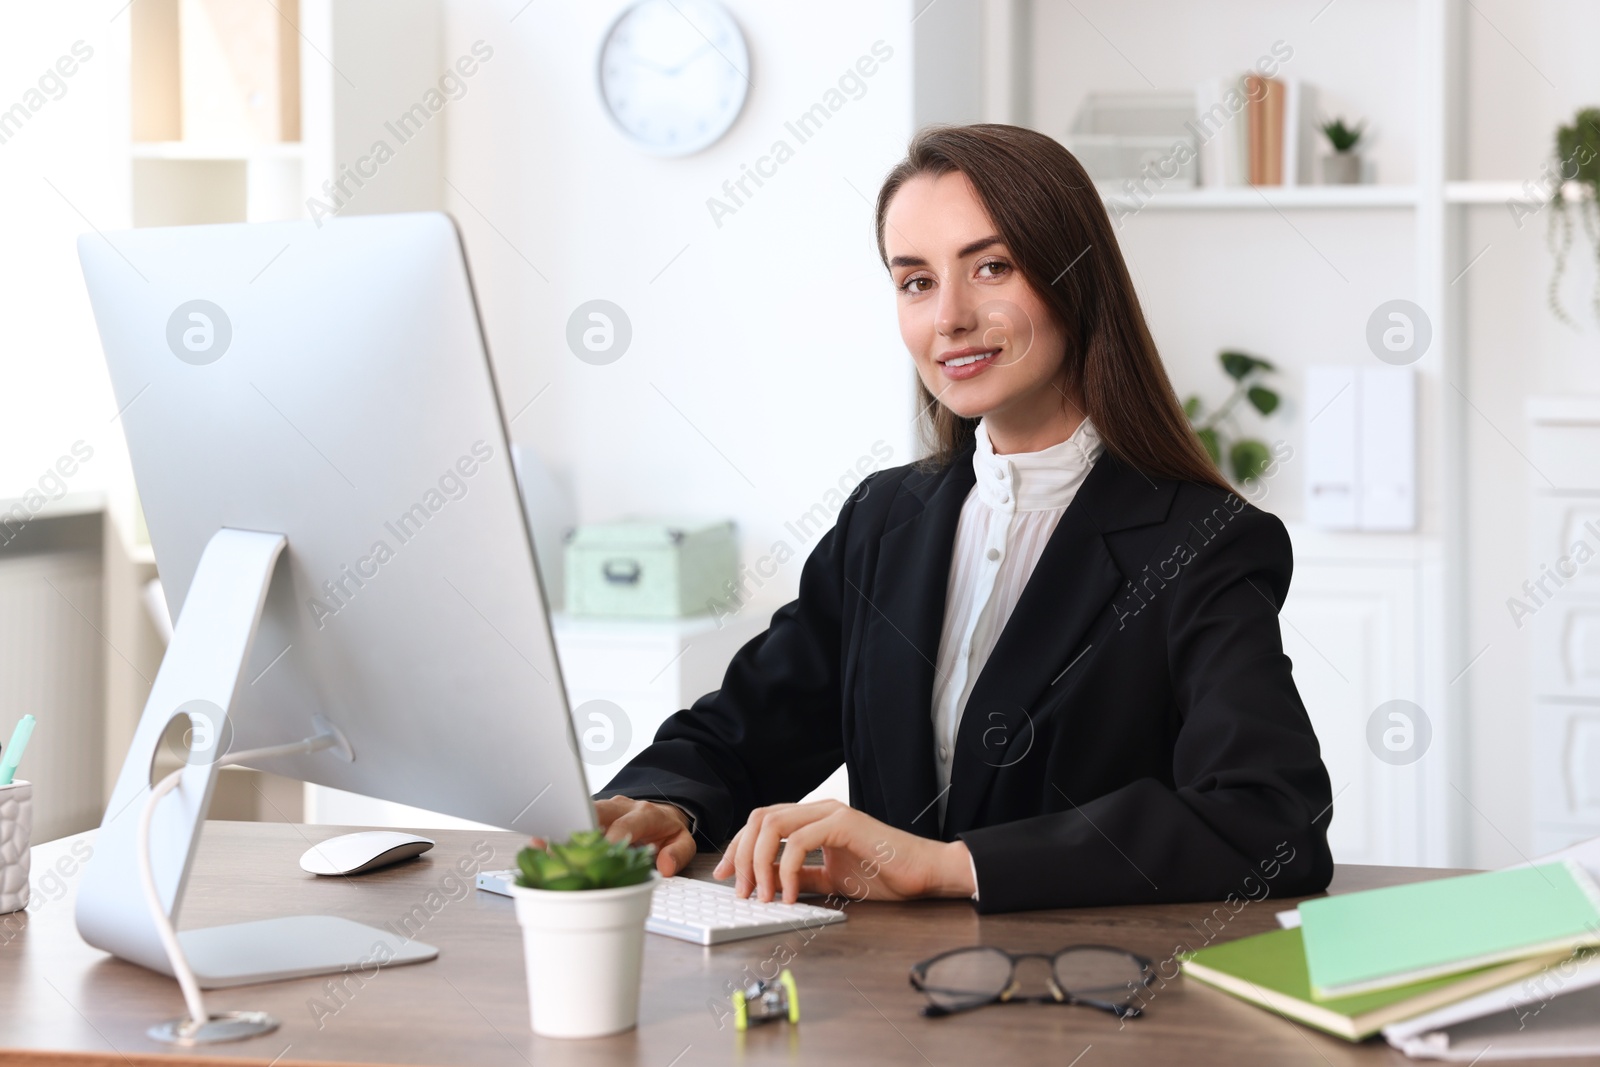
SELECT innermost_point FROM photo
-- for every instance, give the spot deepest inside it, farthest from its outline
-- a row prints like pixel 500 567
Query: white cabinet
pixel 624 677
pixel 648 670
pixel 1351 628
pixel 1562 600
pixel 52 664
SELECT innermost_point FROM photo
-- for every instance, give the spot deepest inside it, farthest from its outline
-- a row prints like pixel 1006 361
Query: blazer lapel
pixel 1048 630
pixel 905 609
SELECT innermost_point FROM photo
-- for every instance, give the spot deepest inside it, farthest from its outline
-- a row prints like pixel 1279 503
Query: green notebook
pixel 1382 938
pixel 1270 970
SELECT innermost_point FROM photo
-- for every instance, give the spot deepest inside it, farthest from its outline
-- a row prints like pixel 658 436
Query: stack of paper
pixel 1553 1013
pixel 1270 970
pixel 1425 962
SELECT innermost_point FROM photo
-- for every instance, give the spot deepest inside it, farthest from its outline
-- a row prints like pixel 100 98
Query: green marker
pixel 13 751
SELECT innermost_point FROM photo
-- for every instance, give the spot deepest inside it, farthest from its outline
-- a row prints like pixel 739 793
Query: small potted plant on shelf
pixel 582 906
pixel 1343 167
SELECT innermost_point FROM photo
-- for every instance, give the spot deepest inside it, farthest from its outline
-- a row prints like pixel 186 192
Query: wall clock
pixel 674 74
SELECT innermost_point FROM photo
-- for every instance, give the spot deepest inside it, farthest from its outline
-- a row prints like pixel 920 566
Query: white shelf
pixel 1268 197
pixel 85 502
pixel 1501 192
pixel 192 150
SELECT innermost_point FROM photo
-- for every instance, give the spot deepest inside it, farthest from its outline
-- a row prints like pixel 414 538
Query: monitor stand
pixel 204 667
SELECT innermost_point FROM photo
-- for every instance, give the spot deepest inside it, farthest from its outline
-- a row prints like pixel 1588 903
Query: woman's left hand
pixel 861 857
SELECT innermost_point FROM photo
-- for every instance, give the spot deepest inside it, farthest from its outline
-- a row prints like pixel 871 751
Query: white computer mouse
pixel 364 851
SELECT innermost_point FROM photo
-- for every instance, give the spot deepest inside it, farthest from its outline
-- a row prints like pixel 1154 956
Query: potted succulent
pixel 1343 167
pixel 582 905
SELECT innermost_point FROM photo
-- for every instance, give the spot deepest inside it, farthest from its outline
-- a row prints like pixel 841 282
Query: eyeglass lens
pixel 977 975
pixel 963 979
pixel 1099 974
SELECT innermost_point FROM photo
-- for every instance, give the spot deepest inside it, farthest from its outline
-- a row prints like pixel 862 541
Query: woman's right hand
pixel 649 823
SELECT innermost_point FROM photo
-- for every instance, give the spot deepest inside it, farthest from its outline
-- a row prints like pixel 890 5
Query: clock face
pixel 674 74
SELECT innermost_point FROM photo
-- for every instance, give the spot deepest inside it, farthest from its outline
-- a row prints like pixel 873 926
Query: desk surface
pixel 67 1002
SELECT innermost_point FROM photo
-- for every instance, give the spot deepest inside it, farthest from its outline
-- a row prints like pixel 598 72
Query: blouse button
pixel 993 554
pixel 944 754
pixel 999 472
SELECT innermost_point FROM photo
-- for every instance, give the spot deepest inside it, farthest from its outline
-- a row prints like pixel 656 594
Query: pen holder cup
pixel 16 827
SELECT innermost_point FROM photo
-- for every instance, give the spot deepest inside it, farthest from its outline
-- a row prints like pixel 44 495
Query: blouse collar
pixel 1035 481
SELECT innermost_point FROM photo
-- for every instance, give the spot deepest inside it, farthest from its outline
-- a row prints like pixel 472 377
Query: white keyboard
pixel 705 913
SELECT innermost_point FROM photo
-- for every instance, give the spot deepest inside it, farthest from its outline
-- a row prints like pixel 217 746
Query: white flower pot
pixel 583 950
pixel 16 827
pixel 1341 168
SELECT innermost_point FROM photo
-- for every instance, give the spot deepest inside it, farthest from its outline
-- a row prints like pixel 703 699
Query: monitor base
pixel 221 1026
pixel 294 946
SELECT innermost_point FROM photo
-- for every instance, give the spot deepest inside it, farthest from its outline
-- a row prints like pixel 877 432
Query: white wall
pixel 765 361
pixel 62 172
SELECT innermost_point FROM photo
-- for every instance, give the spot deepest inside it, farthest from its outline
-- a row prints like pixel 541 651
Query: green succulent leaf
pixel 586 860
pixel 579 856
pixel 1262 399
pixel 607 869
pixel 1208 437
pixel 633 877
pixel 1191 408
pixel 529 867
pixel 1248 458
pixel 1343 137
pixel 567 882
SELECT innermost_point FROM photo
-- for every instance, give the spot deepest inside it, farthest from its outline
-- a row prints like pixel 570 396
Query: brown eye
pixel 909 283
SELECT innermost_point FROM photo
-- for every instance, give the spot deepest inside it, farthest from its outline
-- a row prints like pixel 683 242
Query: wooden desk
pixel 66 1002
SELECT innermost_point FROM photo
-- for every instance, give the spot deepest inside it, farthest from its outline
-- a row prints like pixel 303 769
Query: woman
pixel 1049 654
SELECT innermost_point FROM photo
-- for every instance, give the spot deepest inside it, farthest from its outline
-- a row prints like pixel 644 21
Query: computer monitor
pixel 323 461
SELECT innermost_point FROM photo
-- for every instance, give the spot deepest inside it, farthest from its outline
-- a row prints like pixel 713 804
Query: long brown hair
pixel 1047 210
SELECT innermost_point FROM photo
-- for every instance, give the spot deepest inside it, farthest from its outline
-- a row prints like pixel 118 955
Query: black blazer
pixel 1134 737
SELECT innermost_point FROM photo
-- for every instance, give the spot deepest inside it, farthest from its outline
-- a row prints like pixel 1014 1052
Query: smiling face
pixel 984 343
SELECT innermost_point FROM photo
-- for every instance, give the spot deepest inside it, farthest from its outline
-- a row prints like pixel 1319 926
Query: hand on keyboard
pixel 861 857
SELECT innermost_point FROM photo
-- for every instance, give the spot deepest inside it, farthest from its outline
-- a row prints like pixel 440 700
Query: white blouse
pixel 1006 520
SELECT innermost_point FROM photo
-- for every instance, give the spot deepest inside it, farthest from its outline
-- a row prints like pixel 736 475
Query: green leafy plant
pixel 1343 138
pixel 1577 160
pixel 586 860
pixel 1218 429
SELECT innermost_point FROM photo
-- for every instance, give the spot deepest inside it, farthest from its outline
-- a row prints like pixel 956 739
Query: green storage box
pixel 649 569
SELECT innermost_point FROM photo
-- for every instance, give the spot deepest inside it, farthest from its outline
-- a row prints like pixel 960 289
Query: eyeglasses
pixel 1097 976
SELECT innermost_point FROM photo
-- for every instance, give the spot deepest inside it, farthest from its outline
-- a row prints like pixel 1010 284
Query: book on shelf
pixel 1265 106
pixel 1299 132
pixel 1219 130
pixel 1253 130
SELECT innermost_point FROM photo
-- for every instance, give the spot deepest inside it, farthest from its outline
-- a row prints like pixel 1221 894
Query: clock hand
pixel 690 58
pixel 674 70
